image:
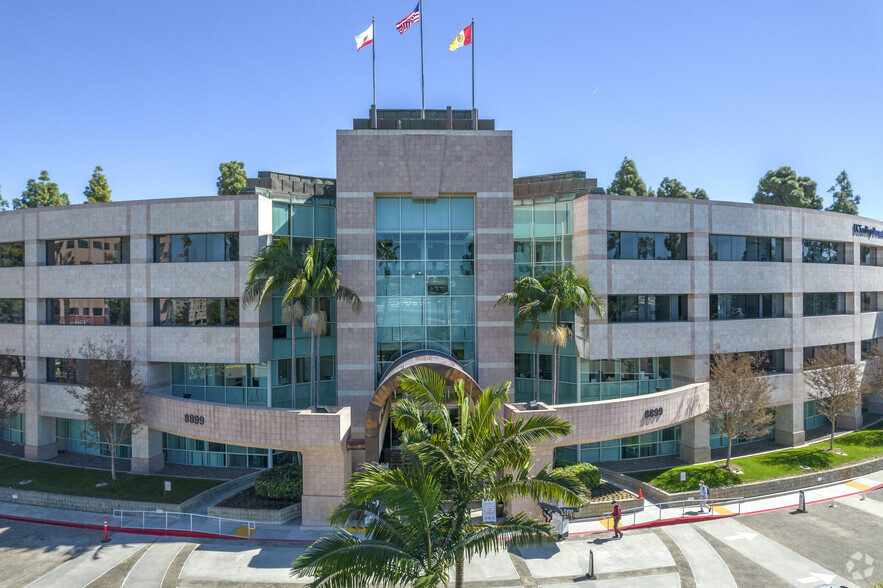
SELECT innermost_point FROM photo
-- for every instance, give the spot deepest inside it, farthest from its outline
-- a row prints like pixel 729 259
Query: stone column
pixel 789 424
pixel 695 441
pixel 40 435
pixel 543 454
pixel 851 419
pixel 147 456
pixel 326 472
pixel 875 402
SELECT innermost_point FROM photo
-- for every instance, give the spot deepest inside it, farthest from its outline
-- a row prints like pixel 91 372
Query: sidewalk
pixel 688 511
pixel 175 524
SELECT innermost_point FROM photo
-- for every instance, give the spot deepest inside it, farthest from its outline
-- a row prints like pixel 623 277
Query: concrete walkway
pixel 180 525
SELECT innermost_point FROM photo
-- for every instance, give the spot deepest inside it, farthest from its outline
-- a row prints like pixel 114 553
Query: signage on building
pixel 194 418
pixel 866 231
pixel 652 413
pixel 489 511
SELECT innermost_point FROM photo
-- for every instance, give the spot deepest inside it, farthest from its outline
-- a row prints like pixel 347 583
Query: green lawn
pixel 858 445
pixel 70 480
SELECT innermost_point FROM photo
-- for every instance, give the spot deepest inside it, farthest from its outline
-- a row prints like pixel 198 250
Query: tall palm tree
pixel 274 269
pixel 566 290
pixel 318 280
pixel 419 517
pixel 528 297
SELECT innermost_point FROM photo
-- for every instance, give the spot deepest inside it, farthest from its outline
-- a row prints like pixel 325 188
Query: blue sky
pixel 712 93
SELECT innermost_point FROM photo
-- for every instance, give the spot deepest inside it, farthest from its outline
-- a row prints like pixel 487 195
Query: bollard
pixel 590 574
pixel 801 502
pixel 833 504
pixel 106 540
pixel 863 496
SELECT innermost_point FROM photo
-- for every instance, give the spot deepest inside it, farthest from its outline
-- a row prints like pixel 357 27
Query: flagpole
pixel 422 95
pixel 373 66
pixel 473 64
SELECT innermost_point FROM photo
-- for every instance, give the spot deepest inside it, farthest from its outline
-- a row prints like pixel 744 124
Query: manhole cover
pixel 23 482
pixel 100 484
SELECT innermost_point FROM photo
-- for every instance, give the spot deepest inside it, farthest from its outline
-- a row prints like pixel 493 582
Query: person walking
pixel 703 496
pixel 617 514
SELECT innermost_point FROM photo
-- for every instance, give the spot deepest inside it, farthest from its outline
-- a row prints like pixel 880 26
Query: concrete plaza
pixel 839 545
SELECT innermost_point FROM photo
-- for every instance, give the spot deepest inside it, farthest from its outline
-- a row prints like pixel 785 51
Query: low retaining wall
pixel 754 489
pixel 596 509
pixel 108 505
pixel 269 516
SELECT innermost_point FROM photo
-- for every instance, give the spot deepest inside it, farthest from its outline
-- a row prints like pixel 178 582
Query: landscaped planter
pixel 754 489
pixel 272 516
pixel 596 509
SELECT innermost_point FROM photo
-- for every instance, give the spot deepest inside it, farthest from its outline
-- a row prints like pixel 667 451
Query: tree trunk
pixel 536 372
pixel 312 374
pixel 318 363
pixel 833 425
pixel 113 464
pixel 729 451
pixel 556 351
pixel 458 578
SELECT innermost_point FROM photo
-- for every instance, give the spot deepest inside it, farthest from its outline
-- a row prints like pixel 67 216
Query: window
pixel 88 311
pixel 823 251
pixel 196 312
pixel 627 245
pixel 869 302
pixel 823 303
pixel 12 254
pixel 94 251
pixel 195 247
pixel 868 255
pixel 870 348
pixel 12 366
pixel 809 353
pixel 724 307
pixel 62 370
pixel 12 311
pixel 642 308
pixel 744 248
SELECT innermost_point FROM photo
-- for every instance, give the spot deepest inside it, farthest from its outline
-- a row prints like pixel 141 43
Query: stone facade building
pixel 424 214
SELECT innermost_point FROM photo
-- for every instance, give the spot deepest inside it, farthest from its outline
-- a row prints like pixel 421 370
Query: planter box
pixel 269 516
pixel 754 489
pixel 108 505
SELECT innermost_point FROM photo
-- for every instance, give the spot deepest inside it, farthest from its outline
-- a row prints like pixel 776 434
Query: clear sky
pixel 712 93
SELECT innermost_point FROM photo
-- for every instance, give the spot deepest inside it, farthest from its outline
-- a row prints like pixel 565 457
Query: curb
pixel 199 535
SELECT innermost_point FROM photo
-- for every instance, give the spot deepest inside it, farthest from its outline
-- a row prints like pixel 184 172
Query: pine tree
pixel 627 182
pixel 40 193
pixel 844 199
pixel 232 178
pixel 97 190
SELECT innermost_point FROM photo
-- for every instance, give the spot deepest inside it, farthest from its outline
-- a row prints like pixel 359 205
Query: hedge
pixel 586 473
pixel 282 483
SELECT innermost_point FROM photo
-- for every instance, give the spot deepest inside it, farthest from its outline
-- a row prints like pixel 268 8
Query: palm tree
pixel 318 280
pixel 566 290
pixel 528 297
pixel 275 269
pixel 419 517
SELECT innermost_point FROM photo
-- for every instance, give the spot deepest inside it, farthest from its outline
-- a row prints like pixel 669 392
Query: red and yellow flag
pixel 464 38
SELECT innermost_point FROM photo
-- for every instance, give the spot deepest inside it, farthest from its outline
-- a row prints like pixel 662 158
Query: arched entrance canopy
pixel 442 364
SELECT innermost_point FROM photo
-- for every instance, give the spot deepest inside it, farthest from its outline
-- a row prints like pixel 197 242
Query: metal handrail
pixel 121 513
pixel 662 505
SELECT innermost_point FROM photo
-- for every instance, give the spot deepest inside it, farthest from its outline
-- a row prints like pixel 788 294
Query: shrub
pixel 282 483
pixel 586 473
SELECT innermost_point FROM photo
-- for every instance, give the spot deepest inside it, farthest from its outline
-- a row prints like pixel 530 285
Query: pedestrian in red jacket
pixel 617 514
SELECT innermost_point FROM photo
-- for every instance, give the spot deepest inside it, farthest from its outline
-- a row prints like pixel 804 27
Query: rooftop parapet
pixel 436 120
pixel 552 184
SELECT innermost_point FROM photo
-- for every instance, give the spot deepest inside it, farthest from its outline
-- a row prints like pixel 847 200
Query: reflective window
pixel 195 247
pixel 12 366
pixel 868 255
pixel 63 370
pixel 12 311
pixel 196 312
pixel 424 271
pixel 869 302
pixel 724 307
pixel 642 308
pixel 657 443
pixel 809 353
pixel 823 251
pixel 770 361
pixel 543 237
pixel 823 303
pixel 77 436
pixel 91 251
pixel 745 248
pixel 631 245
pixel 88 311
pixel 12 254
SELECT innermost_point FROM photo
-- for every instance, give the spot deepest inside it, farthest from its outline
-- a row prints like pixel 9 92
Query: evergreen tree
pixel 785 188
pixel 844 199
pixel 232 178
pixel 672 188
pixel 700 194
pixel 40 193
pixel 3 203
pixel 97 190
pixel 627 182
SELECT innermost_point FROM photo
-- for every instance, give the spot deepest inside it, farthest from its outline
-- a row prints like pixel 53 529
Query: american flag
pixel 405 24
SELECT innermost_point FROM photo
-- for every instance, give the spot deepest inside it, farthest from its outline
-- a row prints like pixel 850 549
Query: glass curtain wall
pixel 76 436
pixel 303 223
pixel 425 271
pixel 663 442
pixel 543 235
pixel 239 384
pixel 13 428
pixel 187 451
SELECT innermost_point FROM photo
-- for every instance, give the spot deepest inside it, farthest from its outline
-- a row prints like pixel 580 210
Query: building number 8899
pixel 653 412
pixel 192 418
